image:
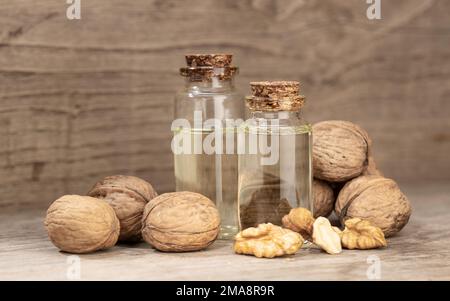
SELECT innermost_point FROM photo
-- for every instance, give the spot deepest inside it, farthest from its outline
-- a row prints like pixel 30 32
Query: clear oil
pixel 213 175
pixel 267 192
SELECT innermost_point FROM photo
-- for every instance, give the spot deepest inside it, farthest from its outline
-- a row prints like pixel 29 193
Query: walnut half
pixel 326 236
pixel 360 234
pixel 267 240
pixel 299 220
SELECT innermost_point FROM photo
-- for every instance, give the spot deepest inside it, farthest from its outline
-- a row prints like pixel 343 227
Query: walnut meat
pixel 299 220
pixel 180 222
pixel 128 196
pixel 267 240
pixel 359 234
pixel 326 236
pixel 341 151
pixel 81 224
pixel 375 199
pixel 323 198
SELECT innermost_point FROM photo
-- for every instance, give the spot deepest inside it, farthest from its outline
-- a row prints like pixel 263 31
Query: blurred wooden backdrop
pixel 92 97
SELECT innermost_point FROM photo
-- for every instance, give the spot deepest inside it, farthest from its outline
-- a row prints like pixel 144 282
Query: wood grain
pixel 420 252
pixel 92 97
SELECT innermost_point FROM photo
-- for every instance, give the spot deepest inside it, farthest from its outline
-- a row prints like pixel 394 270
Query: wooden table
pixel 419 252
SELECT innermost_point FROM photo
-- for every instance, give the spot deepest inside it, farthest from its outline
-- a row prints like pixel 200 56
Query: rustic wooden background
pixel 87 98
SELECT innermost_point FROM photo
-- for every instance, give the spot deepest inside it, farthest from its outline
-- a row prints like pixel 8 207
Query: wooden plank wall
pixel 87 98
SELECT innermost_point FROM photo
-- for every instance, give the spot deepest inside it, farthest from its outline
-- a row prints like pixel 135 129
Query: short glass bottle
pixel 275 166
pixel 204 144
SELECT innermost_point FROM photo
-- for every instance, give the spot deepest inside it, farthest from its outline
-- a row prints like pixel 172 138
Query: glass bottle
pixel 207 112
pixel 275 155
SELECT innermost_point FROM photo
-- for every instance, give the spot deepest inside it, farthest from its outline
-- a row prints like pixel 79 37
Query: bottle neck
pixel 213 85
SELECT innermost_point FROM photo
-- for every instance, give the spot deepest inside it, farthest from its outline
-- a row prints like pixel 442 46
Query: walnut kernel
pixel 359 234
pixel 326 237
pixel 299 220
pixel 267 240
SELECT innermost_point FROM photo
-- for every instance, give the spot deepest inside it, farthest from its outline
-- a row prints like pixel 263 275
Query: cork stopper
pixel 206 67
pixel 209 60
pixel 275 96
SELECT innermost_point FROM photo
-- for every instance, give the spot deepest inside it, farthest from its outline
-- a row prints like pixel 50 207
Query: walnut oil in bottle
pixel 207 111
pixel 275 161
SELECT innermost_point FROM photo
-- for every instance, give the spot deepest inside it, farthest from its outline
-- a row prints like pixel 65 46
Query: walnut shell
pixel 371 169
pixel 323 198
pixel 375 199
pixel 128 196
pixel 180 222
pixel 81 224
pixel 341 151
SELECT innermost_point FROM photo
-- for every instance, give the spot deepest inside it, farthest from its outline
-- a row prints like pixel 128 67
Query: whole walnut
pixel 81 224
pixel 180 221
pixel 323 198
pixel 128 196
pixel 375 199
pixel 341 151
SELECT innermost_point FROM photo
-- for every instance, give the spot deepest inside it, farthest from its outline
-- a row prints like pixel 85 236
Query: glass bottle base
pixel 228 232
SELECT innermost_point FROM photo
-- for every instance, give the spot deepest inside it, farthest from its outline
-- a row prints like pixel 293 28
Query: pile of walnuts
pixel 346 181
pixel 127 209
pixel 342 157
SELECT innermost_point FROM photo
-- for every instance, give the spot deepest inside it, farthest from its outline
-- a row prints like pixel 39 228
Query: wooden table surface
pixel 419 252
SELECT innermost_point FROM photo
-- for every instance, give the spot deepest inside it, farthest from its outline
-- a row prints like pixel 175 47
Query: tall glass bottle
pixel 204 144
pixel 275 163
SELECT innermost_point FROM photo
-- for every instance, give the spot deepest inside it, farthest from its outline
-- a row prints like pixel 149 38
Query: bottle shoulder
pixel 228 105
pixel 192 94
pixel 281 126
